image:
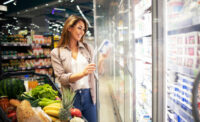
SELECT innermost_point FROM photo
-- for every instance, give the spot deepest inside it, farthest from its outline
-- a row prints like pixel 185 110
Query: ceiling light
pixel 14 3
pixel 59 1
pixel 18 12
pixel 9 1
pixel 36 7
pixel 46 4
pixel 26 10
pixel 60 9
pixel 3 8
pixel 83 15
pixel 72 1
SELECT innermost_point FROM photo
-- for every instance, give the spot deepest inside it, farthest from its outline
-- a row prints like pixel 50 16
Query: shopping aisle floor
pixel 106 106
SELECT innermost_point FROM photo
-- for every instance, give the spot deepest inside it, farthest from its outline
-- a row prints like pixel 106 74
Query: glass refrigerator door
pixel 182 57
pixel 143 59
pixel 113 24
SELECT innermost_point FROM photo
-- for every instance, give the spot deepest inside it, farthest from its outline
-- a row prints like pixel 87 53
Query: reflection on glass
pixel 113 23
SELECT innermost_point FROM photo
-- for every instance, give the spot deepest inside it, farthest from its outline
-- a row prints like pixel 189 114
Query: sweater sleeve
pixel 59 71
pixel 91 49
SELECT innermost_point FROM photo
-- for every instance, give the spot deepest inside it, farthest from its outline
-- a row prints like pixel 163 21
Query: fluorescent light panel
pixel 9 1
pixel 83 15
pixel 3 8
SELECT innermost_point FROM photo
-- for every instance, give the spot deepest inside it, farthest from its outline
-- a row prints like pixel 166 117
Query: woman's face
pixel 77 31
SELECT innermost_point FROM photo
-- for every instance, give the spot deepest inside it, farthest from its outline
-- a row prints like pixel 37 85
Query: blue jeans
pixel 83 101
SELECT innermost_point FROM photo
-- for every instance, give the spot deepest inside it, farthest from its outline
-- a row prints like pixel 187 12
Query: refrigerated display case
pixel 155 59
pixel 182 58
pixel 143 59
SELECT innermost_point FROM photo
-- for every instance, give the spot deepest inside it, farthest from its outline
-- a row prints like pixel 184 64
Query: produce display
pixel 39 104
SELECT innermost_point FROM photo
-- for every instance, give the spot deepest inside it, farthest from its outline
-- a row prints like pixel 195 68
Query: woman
pixel 72 64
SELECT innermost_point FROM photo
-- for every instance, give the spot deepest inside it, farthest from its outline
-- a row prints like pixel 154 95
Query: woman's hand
pixel 89 69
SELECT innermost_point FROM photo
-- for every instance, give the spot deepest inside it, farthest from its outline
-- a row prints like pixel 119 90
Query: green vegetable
pixel 44 91
pixel 11 87
pixel 45 101
pixel 32 100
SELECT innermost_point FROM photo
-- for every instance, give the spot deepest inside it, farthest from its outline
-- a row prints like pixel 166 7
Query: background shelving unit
pixel 18 54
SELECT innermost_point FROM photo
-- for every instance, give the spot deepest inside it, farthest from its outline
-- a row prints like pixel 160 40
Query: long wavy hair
pixel 65 35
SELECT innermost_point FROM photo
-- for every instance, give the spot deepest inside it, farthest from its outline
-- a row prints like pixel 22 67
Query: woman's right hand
pixel 89 69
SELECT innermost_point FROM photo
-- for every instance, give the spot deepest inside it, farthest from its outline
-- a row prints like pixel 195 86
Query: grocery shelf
pixel 184 29
pixel 27 68
pixel 24 57
pixel 22 45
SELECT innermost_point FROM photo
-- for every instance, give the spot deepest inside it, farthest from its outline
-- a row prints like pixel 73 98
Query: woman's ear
pixel 69 29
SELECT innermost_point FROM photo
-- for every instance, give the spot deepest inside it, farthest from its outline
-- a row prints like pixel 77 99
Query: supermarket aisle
pixel 106 106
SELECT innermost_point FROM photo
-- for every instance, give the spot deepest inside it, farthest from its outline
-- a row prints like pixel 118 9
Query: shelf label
pixel 14 57
pixel 23 57
pixel 29 56
pixel 14 44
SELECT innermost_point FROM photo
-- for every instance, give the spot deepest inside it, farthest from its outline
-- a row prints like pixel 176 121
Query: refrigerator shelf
pixel 140 38
pixel 184 71
pixel 184 29
pixel 178 110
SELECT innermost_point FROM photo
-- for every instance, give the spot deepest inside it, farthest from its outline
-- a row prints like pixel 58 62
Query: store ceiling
pixel 42 7
pixel 53 10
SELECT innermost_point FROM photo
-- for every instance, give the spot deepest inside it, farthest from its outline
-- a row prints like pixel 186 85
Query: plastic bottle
pixel 26 80
pixel 105 46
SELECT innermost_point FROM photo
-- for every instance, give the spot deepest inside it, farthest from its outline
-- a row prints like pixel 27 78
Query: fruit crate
pixel 42 78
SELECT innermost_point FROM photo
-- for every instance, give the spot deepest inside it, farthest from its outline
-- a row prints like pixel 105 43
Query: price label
pixel 14 57
pixel 14 44
pixel 28 67
pixel 23 57
pixel 29 56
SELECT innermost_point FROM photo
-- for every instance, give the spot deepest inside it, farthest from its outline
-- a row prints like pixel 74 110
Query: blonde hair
pixel 65 35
